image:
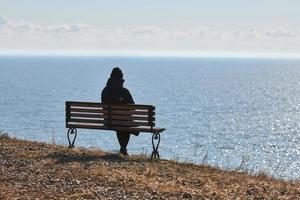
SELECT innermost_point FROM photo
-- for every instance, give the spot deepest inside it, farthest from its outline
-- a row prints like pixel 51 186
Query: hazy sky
pixel 188 26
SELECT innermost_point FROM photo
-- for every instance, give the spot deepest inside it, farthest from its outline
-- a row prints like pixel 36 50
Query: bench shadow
pixel 65 157
pixel 62 158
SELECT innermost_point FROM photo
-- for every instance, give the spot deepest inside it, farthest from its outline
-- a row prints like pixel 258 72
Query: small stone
pixel 187 195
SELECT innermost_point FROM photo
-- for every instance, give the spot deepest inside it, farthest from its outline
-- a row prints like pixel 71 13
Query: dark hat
pixel 116 73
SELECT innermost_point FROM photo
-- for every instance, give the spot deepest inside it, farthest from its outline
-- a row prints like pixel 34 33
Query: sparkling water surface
pixel 216 111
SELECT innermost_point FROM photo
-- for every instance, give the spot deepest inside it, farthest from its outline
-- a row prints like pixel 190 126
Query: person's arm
pixel 128 96
pixel 104 96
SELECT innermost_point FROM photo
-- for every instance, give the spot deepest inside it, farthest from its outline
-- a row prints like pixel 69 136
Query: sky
pixel 151 26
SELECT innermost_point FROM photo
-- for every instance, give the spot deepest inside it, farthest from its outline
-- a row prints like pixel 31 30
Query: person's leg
pixel 123 138
pixel 135 133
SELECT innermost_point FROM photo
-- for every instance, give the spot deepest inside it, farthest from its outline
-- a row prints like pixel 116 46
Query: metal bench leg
pixel 72 131
pixel 155 153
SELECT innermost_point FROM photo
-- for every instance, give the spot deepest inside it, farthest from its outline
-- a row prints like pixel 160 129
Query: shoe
pixel 124 153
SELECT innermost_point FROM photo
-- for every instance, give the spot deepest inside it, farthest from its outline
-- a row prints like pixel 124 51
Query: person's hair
pixel 116 73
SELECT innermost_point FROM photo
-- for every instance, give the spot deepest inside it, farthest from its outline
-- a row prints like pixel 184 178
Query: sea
pixel 232 113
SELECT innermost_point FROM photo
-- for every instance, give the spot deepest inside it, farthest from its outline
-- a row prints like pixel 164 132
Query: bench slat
pixel 129 112
pixel 94 121
pixel 129 107
pixel 117 117
pixel 101 105
pixel 88 105
pixel 129 129
pixel 113 122
pixel 120 112
pixel 128 123
pixel 122 117
pixel 96 115
pixel 81 110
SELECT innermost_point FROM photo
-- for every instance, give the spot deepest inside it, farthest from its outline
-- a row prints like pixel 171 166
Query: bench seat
pixel 120 128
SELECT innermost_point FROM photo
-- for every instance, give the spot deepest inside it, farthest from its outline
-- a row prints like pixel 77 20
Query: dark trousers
pixel 123 138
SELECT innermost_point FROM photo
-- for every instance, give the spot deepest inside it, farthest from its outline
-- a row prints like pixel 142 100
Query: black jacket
pixel 114 92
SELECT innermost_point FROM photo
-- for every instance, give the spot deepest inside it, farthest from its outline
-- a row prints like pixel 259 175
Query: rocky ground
pixel 32 170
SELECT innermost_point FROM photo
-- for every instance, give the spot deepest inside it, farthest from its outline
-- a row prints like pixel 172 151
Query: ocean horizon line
pixel 242 55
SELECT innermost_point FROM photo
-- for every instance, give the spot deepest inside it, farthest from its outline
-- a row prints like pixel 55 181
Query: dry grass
pixel 31 170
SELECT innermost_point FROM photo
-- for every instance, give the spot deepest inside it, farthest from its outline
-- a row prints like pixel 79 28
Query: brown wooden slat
pixel 95 121
pixel 131 106
pixel 120 112
pixel 87 104
pixel 88 126
pixel 113 117
pixel 95 115
pixel 118 108
pixel 129 112
pixel 80 110
pixel 113 122
pixel 86 107
pixel 98 103
pixel 129 129
pixel 128 123
pixel 132 117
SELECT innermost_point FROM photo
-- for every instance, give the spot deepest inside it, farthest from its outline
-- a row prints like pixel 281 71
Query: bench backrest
pixel 108 116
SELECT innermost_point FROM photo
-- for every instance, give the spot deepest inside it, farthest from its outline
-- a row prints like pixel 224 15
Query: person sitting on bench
pixel 115 93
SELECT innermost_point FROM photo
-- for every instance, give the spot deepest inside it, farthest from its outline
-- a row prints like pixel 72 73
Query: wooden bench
pixel 116 117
